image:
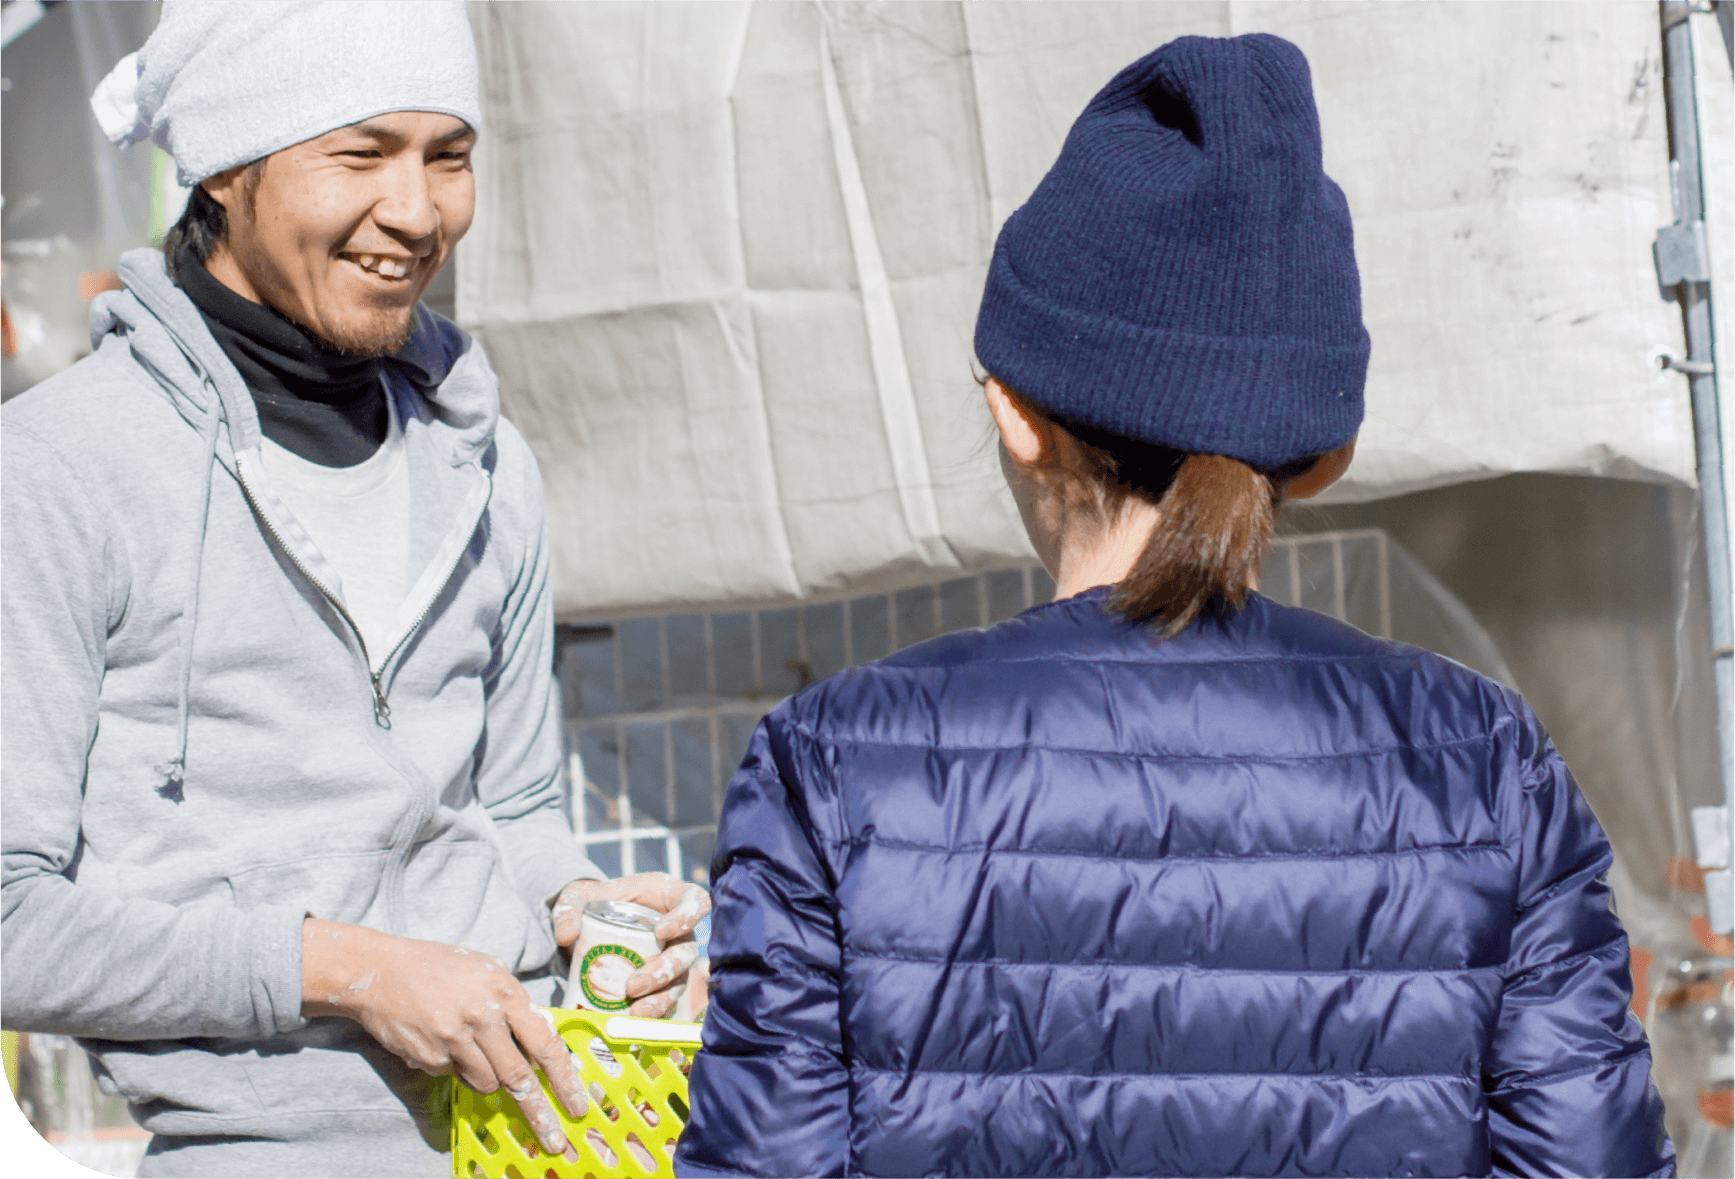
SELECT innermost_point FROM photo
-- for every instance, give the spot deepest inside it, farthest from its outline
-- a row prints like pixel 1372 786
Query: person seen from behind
pixel 1164 878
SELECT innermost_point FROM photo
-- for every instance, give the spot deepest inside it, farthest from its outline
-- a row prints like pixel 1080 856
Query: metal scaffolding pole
pixel 1684 274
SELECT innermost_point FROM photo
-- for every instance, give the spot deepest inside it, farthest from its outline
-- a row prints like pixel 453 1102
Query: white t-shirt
pixel 360 518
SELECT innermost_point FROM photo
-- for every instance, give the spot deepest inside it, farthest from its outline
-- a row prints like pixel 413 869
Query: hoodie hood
pixel 166 332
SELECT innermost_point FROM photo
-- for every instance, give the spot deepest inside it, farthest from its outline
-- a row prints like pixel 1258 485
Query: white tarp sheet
pixel 728 257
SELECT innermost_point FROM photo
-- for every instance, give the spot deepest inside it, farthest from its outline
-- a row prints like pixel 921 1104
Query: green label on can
pixel 590 993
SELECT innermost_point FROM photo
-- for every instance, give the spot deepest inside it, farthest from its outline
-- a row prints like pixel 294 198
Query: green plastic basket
pixel 631 1068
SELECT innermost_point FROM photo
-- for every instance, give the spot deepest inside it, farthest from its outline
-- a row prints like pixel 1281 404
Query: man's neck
pixel 221 265
pixel 320 404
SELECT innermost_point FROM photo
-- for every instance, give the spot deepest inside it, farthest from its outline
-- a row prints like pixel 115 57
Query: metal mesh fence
pixel 659 710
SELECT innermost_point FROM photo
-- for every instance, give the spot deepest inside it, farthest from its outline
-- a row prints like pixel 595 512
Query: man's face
pixel 343 233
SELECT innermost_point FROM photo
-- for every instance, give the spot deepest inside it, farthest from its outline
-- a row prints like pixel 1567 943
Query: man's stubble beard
pixel 384 331
pixel 387 332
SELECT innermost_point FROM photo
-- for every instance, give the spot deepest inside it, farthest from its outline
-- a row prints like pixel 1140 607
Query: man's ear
pixel 1026 434
pixel 1325 471
pixel 227 188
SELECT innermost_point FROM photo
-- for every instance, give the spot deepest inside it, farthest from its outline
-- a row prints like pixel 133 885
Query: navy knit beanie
pixel 1185 273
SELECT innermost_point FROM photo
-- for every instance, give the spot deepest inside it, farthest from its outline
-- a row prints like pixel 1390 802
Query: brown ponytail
pixel 1217 519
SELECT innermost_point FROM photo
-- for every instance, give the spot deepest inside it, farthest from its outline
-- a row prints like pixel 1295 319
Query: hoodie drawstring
pixel 174 771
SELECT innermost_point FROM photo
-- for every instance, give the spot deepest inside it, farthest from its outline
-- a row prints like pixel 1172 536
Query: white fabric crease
pixel 833 175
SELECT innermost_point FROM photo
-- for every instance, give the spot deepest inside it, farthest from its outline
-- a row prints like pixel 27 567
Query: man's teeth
pixel 381 265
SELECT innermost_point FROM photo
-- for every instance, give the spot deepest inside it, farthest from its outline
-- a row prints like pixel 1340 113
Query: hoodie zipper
pixel 382 710
pixel 376 679
pixel 425 798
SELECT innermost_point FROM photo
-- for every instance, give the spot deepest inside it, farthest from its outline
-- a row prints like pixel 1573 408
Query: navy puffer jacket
pixel 1270 898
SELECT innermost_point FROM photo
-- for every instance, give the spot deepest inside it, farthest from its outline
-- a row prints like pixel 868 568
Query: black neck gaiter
pixel 326 406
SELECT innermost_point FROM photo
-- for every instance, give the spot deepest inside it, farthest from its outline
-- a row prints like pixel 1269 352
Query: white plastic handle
pixel 651 1031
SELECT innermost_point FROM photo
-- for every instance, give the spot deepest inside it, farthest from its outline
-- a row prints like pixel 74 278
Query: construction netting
pixel 728 257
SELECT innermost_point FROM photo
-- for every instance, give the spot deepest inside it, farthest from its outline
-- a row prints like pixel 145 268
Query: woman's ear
pixel 1026 434
pixel 1325 471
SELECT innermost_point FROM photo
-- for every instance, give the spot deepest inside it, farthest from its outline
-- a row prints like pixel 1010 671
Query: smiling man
pixel 285 835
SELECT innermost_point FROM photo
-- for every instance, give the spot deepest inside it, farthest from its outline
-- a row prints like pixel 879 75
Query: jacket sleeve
pixel 79 959
pixel 770 1092
pixel 1568 1073
pixel 519 777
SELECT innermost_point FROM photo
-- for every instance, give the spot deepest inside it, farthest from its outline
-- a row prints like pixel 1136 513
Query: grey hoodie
pixel 197 757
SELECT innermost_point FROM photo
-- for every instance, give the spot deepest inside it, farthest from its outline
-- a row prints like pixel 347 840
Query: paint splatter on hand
pixel 657 985
pixel 682 903
pixel 442 1009
pixel 665 971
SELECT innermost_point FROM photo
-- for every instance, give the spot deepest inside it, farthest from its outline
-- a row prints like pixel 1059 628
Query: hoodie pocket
pixel 338 886
pixel 445 885
pixel 462 893
pixel 454 891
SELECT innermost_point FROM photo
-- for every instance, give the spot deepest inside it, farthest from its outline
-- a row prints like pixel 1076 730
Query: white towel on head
pixel 227 82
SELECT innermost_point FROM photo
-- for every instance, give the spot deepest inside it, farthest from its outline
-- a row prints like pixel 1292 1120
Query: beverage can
pixel 615 938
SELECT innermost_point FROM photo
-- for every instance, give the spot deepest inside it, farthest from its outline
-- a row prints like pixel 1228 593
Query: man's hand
pixel 658 983
pixel 442 1009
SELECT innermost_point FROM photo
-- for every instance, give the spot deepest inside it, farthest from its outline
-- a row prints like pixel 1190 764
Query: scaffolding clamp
pixel 1711 841
pixel 1682 254
pixel 1692 368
